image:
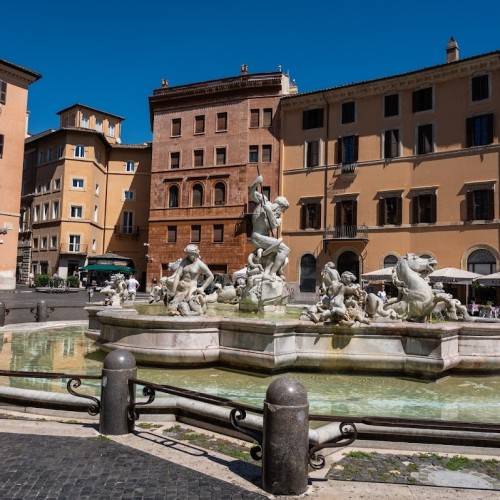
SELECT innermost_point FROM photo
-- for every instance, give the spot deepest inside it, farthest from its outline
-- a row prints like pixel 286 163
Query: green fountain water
pixel 462 398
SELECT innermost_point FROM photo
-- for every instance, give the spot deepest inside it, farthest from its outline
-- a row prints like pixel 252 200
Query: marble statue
pixel 163 291
pixel 266 285
pixel 447 307
pixel 188 298
pixel 115 291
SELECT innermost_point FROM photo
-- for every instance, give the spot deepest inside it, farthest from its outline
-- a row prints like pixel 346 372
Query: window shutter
pixel 314 153
pixel 489 125
pixel 304 120
pixel 339 150
pixel 355 148
pixel 354 212
pixel 399 213
pixel 414 210
pixel 338 214
pixel 490 204
pixel 470 205
pixel 320 117
pixel 317 216
pixel 433 208
pixel 303 215
pixel 381 212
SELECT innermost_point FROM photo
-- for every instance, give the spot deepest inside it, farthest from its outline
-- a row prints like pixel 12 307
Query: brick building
pixel 209 141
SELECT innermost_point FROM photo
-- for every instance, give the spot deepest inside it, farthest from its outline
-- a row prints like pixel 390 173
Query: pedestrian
pixel 381 293
pixel 132 286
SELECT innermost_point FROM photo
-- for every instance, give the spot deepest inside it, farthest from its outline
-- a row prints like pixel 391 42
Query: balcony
pixel 74 248
pixel 126 231
pixel 348 169
pixel 346 233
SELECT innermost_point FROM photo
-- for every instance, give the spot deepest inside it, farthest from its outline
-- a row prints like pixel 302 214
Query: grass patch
pixel 148 426
pixel 103 438
pixel 359 454
pixel 412 467
pixel 458 462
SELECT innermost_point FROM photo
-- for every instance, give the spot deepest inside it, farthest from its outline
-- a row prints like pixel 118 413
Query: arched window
pixel 173 197
pixel 481 261
pixel 348 261
pixel 197 195
pixel 390 261
pixel 308 273
pixel 80 151
pixel 130 166
pixel 220 194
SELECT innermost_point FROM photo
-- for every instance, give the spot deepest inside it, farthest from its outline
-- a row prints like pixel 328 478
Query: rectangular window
pixel 45 213
pixel 199 124
pixel 53 242
pixel 479 130
pixel 310 215
pixel 221 122
pixel 312 154
pixel 57 184
pixel 391 143
pixel 41 157
pixel 172 234
pixel 480 87
pixel 36 213
pixel 199 157
pixel 3 92
pixel 94 245
pixel 128 222
pixel 175 159
pixel 96 213
pixel 76 212
pixel 480 204
pixel 267 118
pixel 424 208
pixel 1 145
pixel 98 124
pixel 347 149
pixel 267 152
pixel 254 118
pixel 253 154
pixel 130 166
pixel 425 139
pixel 422 100
pixel 60 151
pixel 312 118
pixel 346 217
pixel 55 209
pixel 43 243
pixel 74 243
pixel 35 243
pixel 218 233
pixel 348 112
pixel 391 105
pixel 176 127
pixel 129 195
pixel 77 183
pixel 111 129
pixel 195 234
pixel 85 121
pixel 390 211
pixel 97 189
pixel 220 156
pixel 49 154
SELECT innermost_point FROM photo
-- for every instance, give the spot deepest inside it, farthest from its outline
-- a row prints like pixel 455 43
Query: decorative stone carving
pixel 115 291
pixel 266 285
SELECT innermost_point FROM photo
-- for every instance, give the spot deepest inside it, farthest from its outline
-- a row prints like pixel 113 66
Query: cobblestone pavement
pixel 52 467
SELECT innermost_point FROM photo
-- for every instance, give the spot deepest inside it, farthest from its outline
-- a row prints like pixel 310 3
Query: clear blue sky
pixel 111 55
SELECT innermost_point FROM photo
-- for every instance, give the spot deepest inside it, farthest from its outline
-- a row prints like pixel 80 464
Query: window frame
pixel 218 151
pixel 253 153
pixel 341 149
pixel 129 195
pixel 267 117
pixel 79 151
pixel 423 100
pixel 197 195
pixel 254 118
pixel 422 144
pixel 171 234
pixel 74 243
pixel 173 201
pixel 76 212
pixel 390 215
pixel 221 123
pixel 195 233
pixel 267 153
pixel 220 191
pixel 389 106
pixel 480 91
pixel 3 91
pixel 313 118
pixel 480 210
pixel 218 233
pixel 312 153
pixel 391 143
pixel 482 136
pixel 176 127
pixel 199 119
pixel 348 112
pixel 130 166
pixel 198 157
pixel 75 181
pixel 418 214
pixel 310 214
pixel 175 155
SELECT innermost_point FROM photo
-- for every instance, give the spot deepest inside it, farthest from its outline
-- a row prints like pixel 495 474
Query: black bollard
pixel 285 443
pixel 41 311
pixel 3 313
pixel 116 394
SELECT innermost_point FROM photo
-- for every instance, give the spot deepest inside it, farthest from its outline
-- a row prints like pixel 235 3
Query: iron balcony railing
pixel 346 233
pixel 349 168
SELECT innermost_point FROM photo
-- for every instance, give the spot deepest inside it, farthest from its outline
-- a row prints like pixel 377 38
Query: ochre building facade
pixel 407 163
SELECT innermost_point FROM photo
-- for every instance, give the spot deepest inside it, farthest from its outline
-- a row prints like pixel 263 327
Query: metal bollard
pixel 116 394
pixel 3 313
pixel 285 443
pixel 41 311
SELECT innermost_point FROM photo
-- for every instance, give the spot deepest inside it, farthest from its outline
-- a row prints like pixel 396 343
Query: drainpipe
pixel 325 182
pixel 105 214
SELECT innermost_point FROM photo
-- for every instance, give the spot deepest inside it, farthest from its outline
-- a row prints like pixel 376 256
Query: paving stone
pixel 45 467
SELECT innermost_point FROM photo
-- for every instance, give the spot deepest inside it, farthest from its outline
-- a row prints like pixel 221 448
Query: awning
pixel 384 274
pixel 453 275
pixel 109 268
pixel 489 279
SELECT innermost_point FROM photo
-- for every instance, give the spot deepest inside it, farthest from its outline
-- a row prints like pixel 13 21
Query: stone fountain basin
pixel 274 345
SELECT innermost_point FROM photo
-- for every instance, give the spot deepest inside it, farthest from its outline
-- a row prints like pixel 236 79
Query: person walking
pixel 132 286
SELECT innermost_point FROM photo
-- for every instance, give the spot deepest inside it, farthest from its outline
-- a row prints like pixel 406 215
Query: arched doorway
pixel 482 261
pixel 308 273
pixel 348 261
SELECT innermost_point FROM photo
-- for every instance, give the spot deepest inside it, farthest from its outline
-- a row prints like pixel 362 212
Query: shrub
pixel 41 280
pixel 73 281
pixel 57 282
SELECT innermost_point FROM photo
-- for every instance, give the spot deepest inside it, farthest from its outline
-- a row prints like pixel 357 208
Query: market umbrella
pixel 489 279
pixel 384 274
pixel 453 275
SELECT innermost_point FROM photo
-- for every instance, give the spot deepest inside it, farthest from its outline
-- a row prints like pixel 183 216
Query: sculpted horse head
pixel 421 265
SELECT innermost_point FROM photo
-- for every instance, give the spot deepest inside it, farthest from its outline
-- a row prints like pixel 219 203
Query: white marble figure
pixel 265 281
pixel 163 291
pixel 115 291
pixel 189 298
pixel 446 306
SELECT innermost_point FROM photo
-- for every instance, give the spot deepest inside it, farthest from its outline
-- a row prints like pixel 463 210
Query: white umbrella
pixel 384 274
pixel 453 275
pixel 489 279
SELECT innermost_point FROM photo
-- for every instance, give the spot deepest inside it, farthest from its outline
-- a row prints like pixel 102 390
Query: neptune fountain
pixel 347 330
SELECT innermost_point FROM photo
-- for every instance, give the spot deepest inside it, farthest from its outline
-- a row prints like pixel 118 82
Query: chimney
pixel 452 51
pixel 244 69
